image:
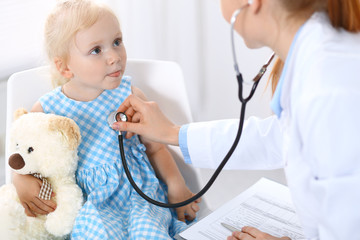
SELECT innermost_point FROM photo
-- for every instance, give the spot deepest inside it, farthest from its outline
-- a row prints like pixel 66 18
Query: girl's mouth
pixel 114 74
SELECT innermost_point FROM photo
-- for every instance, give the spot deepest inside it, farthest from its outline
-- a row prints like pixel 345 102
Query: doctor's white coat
pixel 316 139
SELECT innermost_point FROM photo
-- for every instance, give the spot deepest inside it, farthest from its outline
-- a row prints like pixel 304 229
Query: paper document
pixel 266 205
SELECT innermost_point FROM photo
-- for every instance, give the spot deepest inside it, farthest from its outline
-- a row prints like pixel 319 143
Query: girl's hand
pixel 251 233
pixel 28 188
pixel 178 193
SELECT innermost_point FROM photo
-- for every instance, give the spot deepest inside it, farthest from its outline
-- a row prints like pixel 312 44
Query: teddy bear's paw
pixel 12 215
pixel 58 226
pixel 36 230
pixel 11 223
pixel 12 220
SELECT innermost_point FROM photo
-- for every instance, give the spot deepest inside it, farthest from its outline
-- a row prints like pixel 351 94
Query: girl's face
pixel 97 58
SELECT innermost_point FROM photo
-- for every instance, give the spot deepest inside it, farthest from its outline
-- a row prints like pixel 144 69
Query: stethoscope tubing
pixel 204 189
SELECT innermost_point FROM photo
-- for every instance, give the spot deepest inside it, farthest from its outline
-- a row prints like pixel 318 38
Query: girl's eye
pixel 95 51
pixel 117 42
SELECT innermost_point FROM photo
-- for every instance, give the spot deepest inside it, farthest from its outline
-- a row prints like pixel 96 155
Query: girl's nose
pixel 113 57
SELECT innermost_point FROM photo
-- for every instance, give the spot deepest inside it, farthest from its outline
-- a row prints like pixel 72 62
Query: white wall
pixel 21 28
pixel 21 38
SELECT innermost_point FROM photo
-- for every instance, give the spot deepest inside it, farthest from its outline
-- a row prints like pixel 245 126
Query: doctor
pixel 315 132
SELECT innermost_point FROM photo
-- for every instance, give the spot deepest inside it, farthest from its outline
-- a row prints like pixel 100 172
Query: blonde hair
pixel 343 14
pixel 68 18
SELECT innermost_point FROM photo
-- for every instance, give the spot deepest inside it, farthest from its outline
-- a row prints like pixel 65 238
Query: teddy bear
pixel 44 145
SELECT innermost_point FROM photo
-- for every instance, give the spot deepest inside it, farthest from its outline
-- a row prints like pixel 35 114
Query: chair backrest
pixel 23 90
pixel 161 81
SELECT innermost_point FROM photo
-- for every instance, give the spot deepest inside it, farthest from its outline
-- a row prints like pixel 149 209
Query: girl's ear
pixel 63 68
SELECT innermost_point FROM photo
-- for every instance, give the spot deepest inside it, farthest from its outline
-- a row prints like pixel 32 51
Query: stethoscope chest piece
pixel 116 117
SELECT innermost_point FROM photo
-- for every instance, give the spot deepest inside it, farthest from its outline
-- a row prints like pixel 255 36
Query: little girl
pixel 85 46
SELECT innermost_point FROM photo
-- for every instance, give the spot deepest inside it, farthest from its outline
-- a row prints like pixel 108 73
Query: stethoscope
pixel 119 116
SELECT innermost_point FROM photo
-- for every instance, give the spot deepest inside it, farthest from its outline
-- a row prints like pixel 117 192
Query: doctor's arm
pixel 205 144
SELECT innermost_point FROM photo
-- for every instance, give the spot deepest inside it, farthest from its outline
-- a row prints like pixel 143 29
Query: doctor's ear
pixel 255 5
pixel 63 68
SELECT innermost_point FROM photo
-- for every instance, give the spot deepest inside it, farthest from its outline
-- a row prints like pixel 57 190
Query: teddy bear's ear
pixel 19 112
pixel 68 128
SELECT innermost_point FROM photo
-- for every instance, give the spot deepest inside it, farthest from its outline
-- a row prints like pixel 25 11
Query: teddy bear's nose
pixel 16 161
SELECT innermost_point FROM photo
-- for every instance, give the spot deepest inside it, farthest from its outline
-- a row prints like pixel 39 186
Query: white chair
pixel 161 81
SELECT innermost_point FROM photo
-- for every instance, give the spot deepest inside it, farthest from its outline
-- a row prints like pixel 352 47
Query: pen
pixel 229 227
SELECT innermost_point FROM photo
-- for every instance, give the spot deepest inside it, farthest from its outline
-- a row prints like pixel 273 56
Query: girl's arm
pixel 167 170
pixel 28 188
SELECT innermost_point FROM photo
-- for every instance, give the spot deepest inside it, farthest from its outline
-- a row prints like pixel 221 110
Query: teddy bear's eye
pixel 30 149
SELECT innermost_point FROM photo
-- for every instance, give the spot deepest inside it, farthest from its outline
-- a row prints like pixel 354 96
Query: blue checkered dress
pixel 113 210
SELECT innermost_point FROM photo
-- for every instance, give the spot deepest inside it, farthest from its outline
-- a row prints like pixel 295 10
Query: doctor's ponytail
pixel 342 14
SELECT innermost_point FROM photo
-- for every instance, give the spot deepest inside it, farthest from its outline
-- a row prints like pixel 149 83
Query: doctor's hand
pixel 146 119
pixel 251 233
